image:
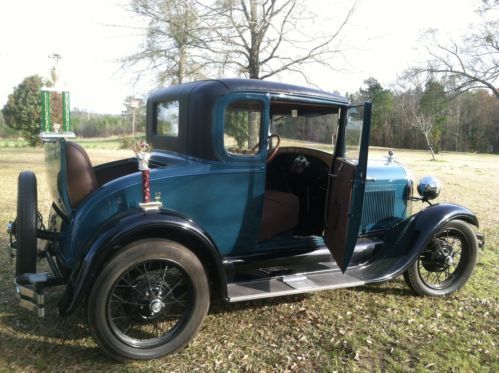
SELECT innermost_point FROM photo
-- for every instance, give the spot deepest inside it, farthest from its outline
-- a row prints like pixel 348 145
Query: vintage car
pixel 259 189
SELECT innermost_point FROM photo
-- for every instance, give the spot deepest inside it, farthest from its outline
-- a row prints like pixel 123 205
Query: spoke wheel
pixel 149 301
pixel 446 263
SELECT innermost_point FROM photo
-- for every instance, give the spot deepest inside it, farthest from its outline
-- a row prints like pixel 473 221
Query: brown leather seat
pixel 80 173
pixel 280 213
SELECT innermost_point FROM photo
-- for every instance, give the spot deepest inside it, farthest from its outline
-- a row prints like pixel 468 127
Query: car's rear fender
pixel 404 242
pixel 131 226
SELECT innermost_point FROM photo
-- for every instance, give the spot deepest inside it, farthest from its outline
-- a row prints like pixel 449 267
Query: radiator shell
pixel 386 202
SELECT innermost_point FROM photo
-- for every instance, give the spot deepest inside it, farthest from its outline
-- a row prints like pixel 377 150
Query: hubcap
pixel 156 306
pixel 449 261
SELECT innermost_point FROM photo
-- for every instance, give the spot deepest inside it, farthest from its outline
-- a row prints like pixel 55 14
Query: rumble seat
pixel 80 174
pixel 280 213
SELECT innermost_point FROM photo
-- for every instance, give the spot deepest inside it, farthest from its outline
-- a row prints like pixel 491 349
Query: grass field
pixel 374 328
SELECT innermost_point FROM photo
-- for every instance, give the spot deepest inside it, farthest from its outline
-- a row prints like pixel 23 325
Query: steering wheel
pixel 272 152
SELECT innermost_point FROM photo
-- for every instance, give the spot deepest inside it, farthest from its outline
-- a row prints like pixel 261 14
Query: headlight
pixel 429 188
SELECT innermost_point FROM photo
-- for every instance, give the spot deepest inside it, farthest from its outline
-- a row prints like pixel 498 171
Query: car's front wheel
pixel 148 301
pixel 446 263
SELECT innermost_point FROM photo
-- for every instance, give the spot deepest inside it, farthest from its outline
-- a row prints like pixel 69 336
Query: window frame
pixel 176 144
pixel 219 128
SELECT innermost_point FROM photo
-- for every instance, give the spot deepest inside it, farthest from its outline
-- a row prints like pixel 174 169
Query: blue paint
pixel 226 200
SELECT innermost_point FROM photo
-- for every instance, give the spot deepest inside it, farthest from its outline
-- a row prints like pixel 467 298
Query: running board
pixel 288 285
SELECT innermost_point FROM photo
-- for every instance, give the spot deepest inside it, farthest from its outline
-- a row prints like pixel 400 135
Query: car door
pixel 346 183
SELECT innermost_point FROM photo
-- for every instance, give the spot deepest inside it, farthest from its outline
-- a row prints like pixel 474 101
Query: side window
pixel 167 114
pixel 242 123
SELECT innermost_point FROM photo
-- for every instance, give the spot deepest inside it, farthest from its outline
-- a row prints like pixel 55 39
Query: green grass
pixel 13 143
pixel 376 327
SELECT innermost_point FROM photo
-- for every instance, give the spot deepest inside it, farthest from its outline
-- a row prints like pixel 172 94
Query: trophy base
pixel 150 206
pixel 52 136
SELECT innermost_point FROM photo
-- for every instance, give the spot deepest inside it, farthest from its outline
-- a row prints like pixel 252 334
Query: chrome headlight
pixel 429 188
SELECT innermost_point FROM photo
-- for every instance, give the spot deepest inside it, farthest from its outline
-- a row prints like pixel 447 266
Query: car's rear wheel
pixel 26 223
pixel 446 264
pixel 148 301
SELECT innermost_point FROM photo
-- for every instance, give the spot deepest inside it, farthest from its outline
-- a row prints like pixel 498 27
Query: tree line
pixel 412 116
pixel 427 116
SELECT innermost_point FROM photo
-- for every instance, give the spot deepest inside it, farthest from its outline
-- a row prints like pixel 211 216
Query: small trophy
pixel 142 151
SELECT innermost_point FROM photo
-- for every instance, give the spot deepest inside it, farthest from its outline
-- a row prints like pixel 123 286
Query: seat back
pixel 79 173
pixel 280 213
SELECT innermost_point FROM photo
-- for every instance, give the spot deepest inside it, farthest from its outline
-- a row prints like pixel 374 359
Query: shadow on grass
pixel 28 351
pixel 385 289
pixel 218 306
pixel 66 329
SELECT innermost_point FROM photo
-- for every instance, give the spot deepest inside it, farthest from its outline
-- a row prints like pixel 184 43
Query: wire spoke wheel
pixel 446 263
pixel 148 301
pixel 442 262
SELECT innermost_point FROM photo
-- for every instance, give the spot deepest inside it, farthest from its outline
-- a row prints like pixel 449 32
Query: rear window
pixel 167 118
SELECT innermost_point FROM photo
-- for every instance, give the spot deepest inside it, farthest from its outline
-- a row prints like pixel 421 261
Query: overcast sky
pixel 383 37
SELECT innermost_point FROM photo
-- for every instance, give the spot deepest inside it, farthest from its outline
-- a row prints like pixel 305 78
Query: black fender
pixel 404 242
pixel 132 225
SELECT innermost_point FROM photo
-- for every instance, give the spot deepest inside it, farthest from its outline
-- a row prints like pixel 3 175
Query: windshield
pixel 305 125
pixel 353 132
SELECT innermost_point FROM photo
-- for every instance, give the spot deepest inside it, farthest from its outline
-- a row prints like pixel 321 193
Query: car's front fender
pixel 126 228
pixel 405 242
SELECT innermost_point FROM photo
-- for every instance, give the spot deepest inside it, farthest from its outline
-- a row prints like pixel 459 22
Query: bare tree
pixel 262 38
pixel 472 62
pixel 423 106
pixel 424 123
pixel 254 38
pixel 173 41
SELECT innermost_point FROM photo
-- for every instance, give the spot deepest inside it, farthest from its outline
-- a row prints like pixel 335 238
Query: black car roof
pixel 253 85
pixel 276 87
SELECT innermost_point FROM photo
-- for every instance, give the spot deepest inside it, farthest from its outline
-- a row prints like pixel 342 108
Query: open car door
pixel 346 183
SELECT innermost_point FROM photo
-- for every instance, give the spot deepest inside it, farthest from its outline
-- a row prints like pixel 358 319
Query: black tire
pixel 129 314
pixel 449 259
pixel 26 223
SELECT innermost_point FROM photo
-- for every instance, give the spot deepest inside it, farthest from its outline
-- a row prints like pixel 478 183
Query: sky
pixel 381 40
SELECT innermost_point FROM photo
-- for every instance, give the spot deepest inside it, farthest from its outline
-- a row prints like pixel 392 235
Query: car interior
pixel 297 172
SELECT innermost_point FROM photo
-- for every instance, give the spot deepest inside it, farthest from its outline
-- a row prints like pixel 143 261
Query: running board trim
pixel 289 285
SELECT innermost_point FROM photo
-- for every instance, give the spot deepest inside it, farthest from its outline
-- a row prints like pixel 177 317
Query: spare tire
pixel 26 223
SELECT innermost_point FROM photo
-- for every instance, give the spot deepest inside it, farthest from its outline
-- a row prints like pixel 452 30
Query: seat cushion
pixel 80 174
pixel 280 213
